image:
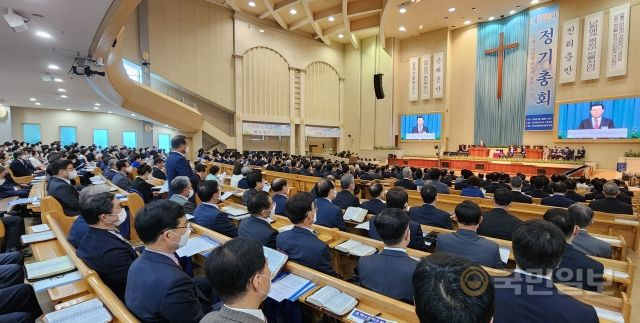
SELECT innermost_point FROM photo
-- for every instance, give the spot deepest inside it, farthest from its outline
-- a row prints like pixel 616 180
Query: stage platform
pixel 485 165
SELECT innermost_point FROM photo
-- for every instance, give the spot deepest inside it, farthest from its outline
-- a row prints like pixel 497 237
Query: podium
pixel 479 152
pixel 534 153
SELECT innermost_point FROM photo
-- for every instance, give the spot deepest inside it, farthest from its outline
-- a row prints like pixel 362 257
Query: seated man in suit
pixel 329 214
pixel 20 165
pixel 389 272
pixel 596 121
pixel 14 229
pixel 61 189
pixel 441 290
pixel 596 193
pixel 239 273
pixel 498 223
pixel 397 197
pixel 257 226
pixel 610 202
pixel 280 189
pixel 18 303
pixel 583 241
pixel 158 169
pixel 345 198
pixel 495 183
pixel 102 248
pixel 538 188
pixel 11 269
pixel 9 188
pixel 406 180
pixel 528 294
pixel 209 215
pixel 434 179
pixel 462 182
pixel 120 178
pixel 181 186
pixel 376 204
pixel 254 180
pixel 571 191
pixel 576 269
pixel 80 227
pixel 516 191
pixel 111 170
pixel 157 288
pixel 428 214
pixel 141 185
pixel 466 242
pixel 558 199
pixel 473 188
pixel 301 243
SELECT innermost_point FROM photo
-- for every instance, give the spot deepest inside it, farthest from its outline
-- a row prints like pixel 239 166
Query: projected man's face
pixel 420 122
pixel 596 111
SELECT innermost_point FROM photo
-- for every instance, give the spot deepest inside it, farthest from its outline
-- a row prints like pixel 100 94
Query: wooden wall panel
pixel 322 95
pixel 265 83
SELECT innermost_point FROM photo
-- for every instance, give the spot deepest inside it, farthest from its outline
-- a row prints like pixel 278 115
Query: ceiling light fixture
pixel 133 114
pixel 535 1
pixel 340 35
pixel 452 9
pixel 512 12
pixel 38 103
pixel 491 18
pixel 261 30
pixel 53 67
pixel 63 96
pixel 62 90
pixel 32 99
pixel 251 4
pixel 68 109
pixel 97 104
pixel 109 112
pixel 466 22
pixel 58 80
pixel 331 18
pixel 293 11
pixel 420 27
pixel 96 108
pixel 402 29
pixel 43 34
pixel 402 9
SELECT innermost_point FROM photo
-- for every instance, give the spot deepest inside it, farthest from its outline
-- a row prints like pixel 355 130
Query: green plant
pixel 632 153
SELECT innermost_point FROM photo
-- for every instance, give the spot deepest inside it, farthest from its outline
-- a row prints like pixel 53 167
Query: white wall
pixel 5 126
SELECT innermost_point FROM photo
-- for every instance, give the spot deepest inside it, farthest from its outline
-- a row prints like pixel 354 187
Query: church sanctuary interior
pixel 301 161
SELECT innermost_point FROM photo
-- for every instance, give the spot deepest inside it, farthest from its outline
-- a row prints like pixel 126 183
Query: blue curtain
pixel 501 121
pixel 68 135
pixel 31 133
pixel 433 122
pixel 164 142
pixel 624 112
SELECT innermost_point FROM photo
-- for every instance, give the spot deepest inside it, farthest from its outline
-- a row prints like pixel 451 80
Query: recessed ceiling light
pixel 491 18
pixel 43 34
pixel 331 18
pixel 466 22
pixel 535 1
pixel 53 67
pixel 62 90
pixel 251 4
pixel 38 103
pixel 58 80
pixel 96 108
pixel 512 12
pixel 452 9
pixel 261 30
pixel 32 99
pixel 340 35
pixel 474 9
pixel 420 27
pixel 133 114
pixel 402 29
pixel 402 10
pixel 109 112
pixel 293 11
pixel 63 96
pixel 166 125
pixel 68 109
pixel 97 104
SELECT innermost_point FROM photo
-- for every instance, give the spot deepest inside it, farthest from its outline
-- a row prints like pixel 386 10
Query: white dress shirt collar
pixel 396 249
pixel 520 271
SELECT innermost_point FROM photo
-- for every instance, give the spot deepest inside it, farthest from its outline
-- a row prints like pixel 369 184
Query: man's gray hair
pixel 582 214
pixel 92 190
pixel 112 162
pixel 611 189
pixel 346 180
pixel 246 170
pixel 406 172
pixel 179 183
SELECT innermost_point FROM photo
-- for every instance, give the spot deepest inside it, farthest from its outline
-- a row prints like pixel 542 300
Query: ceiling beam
pixel 269 5
pixel 284 4
pixel 299 23
pixel 365 23
pixel 233 5
pixel 364 7
pixel 314 24
pixel 347 24
pixel 333 30
pixel 333 11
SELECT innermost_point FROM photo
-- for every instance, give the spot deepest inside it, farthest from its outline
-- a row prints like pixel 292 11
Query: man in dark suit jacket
pixel 558 199
pixel 571 192
pixel 596 121
pixel 498 223
pixel 397 197
pixel 466 242
pixel 257 226
pixel 157 288
pixel 328 214
pixel 375 205
pixel 538 188
pixel 141 185
pixel 111 170
pixel 20 165
pixel 583 241
pixel 102 248
pixel 428 214
pixel 420 128
pixel 301 243
pixel 610 203
pixel 406 180
pixel 516 192
pixel 280 189
pixel 9 188
pixel 183 193
pixel 390 271
pixel 176 163
pixel 576 269
pixel 158 166
pixel 495 183
pixel 61 189
pixel 529 295
pixel 345 198
pixel 255 184
pixel 208 214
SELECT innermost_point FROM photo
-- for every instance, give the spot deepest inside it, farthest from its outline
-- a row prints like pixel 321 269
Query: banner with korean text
pixel 541 68
pixel 265 129
pixel 326 132
pixel 413 79
pixel 591 45
pixel 569 50
pixel 617 46
pixel 438 75
pixel 425 79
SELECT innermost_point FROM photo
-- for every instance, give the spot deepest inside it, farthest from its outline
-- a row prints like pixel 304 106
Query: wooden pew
pixel 19 180
pixel 37 190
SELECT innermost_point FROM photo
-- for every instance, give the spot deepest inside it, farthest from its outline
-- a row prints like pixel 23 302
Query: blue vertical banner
pixel 541 68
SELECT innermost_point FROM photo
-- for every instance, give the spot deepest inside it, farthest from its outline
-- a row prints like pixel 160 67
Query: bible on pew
pixel 356 214
pixel 356 248
pixel 37 237
pixel 275 260
pixel 92 311
pixel 333 300
pixel 51 267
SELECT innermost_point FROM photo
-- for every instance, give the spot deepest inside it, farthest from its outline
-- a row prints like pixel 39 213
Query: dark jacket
pixel 575 196
pixel 258 229
pixel 280 201
pixel 214 219
pixel 587 244
pixel 579 270
pixel 428 214
pixel 345 199
pixel 329 214
pixel 305 248
pixel 7 189
pixel 177 165
pixel 416 239
pixel 468 244
pixel 388 273
pixel 122 181
pixel 498 223
pixel 158 173
pixel 557 200
pixel 66 194
pixel 408 184
pixel 520 197
pixel 611 205
pixel 537 193
pixel 374 206
pixel 21 168
pixel 143 188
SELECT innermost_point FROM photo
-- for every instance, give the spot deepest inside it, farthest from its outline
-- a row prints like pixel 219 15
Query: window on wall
pixel 101 137
pixel 31 133
pixel 129 139
pixel 164 141
pixel 68 135
pixel 133 70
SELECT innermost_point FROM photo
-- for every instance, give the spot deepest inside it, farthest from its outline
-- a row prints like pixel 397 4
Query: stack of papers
pixel 285 228
pixel 40 228
pixel 363 226
pixel 55 266
pixel 289 286
pixel 275 260
pixel 236 213
pixel 225 196
pixel 25 200
pixel 199 244
pixel 57 281
pixel 356 248
pixel 92 310
pixel 37 237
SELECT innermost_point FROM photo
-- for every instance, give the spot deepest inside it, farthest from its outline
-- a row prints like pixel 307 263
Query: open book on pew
pixel 275 260
pixel 333 300
pixel 37 237
pixel 356 214
pixel 235 213
pixel 356 248
pixel 51 267
pixel 289 286
pixel 222 176
pixel 225 195
pixel 92 311
pixel 26 200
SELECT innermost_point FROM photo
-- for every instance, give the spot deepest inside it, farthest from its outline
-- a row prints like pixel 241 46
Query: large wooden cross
pixel 500 50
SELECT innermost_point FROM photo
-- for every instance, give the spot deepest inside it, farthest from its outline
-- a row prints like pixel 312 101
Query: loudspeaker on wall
pixel 377 85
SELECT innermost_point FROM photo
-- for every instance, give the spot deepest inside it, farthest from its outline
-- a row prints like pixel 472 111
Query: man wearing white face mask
pixel 182 192
pixel 120 178
pixel 257 226
pixel 61 189
pixel 102 248
pixel 239 273
pixel 157 288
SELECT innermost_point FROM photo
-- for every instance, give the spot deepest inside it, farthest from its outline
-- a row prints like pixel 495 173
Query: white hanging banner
pixel 569 50
pixel 591 46
pixel 265 129
pixel 329 132
pixel 425 80
pixel 438 75
pixel 618 44
pixel 413 79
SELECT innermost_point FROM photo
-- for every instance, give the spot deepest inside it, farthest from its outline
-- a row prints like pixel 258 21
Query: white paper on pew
pixel 288 286
pixel 285 228
pixel 225 196
pixel 222 176
pixel 92 310
pixel 189 216
pixel 40 228
pixel 266 188
pixel 607 240
pixel 165 187
pixel 617 274
pixel 363 225
pixel 504 253
pixel 56 281
pixel 609 315
pixel 196 245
